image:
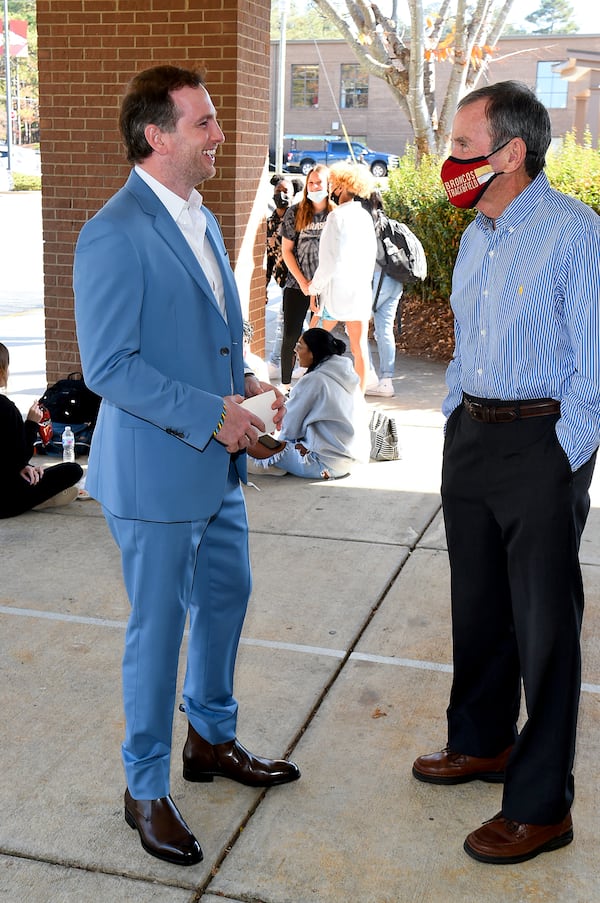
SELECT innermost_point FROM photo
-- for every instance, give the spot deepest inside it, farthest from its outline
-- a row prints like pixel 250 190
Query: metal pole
pixel 283 11
pixel 8 93
pixel 17 132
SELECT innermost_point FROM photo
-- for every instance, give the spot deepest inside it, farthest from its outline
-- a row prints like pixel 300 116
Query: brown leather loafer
pixel 501 840
pixel 163 832
pixel 447 767
pixel 203 762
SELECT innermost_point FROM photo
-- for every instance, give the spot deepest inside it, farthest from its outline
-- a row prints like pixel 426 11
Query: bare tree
pixel 460 32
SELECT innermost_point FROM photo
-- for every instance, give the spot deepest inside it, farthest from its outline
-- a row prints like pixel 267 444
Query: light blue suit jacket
pixel 156 347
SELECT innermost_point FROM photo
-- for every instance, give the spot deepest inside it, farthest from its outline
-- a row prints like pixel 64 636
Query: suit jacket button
pixel 224 351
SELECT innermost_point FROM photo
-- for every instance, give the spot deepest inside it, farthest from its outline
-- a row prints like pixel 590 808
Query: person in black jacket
pixel 22 485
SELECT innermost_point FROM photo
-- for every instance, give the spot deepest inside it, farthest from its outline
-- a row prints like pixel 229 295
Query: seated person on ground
pixel 325 429
pixel 23 486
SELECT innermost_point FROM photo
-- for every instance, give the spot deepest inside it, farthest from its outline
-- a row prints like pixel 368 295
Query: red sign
pixel 17 37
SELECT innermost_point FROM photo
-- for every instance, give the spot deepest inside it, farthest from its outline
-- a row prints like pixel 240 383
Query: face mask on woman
pixel 316 196
pixel 281 199
pixel 335 196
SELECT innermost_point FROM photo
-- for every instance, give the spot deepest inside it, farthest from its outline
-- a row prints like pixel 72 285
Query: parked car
pixel 303 159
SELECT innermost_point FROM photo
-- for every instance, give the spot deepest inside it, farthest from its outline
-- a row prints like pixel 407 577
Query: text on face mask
pixel 468 180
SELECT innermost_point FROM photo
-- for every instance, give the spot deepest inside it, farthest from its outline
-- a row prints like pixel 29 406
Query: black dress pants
pixel 514 514
pixel 295 308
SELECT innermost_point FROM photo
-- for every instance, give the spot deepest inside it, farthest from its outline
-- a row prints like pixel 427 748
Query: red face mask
pixel 466 180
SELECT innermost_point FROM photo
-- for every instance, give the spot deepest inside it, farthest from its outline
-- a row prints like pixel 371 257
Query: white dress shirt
pixel 191 219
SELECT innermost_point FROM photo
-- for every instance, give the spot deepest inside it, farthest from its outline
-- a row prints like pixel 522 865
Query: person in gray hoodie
pixel 325 428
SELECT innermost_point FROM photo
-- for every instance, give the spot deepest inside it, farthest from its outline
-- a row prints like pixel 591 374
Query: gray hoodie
pixel 326 411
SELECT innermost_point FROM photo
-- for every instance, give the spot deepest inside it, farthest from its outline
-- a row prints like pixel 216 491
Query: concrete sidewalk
pixel 344 664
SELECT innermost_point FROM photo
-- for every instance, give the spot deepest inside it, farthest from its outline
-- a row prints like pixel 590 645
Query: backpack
pixel 400 254
pixel 69 401
pixel 384 437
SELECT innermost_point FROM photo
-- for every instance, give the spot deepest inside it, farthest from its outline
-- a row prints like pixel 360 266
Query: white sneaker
pixel 63 498
pixel 298 372
pixel 384 388
pixel 274 370
pixel 284 389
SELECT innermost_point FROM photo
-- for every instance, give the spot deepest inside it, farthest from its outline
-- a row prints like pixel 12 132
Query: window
pixel 550 88
pixel 354 86
pixel 305 86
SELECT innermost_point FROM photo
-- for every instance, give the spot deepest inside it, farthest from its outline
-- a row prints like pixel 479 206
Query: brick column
pixel 88 51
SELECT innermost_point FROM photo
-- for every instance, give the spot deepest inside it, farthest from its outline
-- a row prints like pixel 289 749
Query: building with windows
pixel 326 89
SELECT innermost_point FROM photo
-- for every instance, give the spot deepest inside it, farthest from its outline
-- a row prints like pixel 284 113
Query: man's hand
pixel 240 427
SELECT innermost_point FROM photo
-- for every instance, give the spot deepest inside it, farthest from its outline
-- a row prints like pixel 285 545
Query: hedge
pixel 26 183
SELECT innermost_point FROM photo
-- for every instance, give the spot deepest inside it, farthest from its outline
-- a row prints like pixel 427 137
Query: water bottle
pixel 68 444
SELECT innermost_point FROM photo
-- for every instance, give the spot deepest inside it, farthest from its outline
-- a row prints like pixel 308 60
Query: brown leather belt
pixel 507 412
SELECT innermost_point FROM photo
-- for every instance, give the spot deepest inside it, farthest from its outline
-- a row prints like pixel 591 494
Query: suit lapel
pixel 229 285
pixel 170 232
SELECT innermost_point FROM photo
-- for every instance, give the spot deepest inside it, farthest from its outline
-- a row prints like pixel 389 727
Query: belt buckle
pixel 477 410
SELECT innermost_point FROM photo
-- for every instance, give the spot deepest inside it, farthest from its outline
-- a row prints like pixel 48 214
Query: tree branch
pixel 409 70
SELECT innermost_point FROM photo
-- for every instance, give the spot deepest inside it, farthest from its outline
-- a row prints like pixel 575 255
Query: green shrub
pixel 416 196
pixel 26 183
pixel 575 169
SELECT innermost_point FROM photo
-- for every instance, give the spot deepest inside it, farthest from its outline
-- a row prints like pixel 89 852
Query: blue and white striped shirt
pixel 526 302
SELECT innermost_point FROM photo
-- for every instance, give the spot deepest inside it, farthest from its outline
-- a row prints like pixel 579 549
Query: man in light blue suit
pixel 160 333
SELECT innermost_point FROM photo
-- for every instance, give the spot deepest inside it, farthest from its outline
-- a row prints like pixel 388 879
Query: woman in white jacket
pixel 347 252
pixel 325 428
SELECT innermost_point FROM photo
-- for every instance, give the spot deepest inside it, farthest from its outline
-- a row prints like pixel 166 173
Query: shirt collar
pixel 519 208
pixel 174 204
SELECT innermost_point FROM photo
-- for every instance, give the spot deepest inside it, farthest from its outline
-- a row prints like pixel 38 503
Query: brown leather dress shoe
pixel 501 840
pixel 203 762
pixel 447 767
pixel 163 832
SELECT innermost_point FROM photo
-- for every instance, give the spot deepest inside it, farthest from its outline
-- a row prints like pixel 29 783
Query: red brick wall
pixel 88 51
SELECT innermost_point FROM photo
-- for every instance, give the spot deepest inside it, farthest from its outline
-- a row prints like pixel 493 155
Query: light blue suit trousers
pixel 212 559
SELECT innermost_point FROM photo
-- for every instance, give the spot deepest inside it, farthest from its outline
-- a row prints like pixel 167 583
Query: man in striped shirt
pixel 523 409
